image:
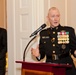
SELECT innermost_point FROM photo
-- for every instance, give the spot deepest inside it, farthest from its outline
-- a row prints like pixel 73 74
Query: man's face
pixel 54 17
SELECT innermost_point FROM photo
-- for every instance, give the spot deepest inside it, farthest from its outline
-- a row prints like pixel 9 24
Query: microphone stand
pixel 27 47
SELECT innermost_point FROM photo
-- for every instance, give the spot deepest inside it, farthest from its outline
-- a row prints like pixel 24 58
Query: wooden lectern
pixel 29 68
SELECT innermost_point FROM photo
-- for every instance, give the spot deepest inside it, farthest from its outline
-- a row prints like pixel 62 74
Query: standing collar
pixel 55 28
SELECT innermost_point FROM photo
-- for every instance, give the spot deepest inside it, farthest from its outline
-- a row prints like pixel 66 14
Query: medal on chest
pixel 63 37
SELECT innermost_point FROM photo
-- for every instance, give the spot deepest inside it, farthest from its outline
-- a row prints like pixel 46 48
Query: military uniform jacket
pixel 59 40
pixel 3 47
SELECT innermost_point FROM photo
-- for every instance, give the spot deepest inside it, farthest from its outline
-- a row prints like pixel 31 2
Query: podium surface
pixel 31 68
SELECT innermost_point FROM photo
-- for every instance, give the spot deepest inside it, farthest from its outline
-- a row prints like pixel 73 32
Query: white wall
pixel 24 16
pixel 71 13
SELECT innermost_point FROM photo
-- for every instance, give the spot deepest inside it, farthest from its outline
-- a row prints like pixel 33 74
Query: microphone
pixel 39 29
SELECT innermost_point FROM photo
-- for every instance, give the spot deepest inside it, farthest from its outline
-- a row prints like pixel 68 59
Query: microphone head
pixel 44 25
pixel 39 29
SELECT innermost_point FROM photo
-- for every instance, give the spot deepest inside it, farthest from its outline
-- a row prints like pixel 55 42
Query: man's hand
pixel 35 52
pixel 75 53
pixel 74 60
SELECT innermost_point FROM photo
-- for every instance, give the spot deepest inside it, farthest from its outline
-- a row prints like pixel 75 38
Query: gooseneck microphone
pixel 34 33
pixel 39 29
pixel 27 47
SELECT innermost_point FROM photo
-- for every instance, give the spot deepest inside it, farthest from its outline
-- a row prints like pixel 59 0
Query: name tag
pixel 45 37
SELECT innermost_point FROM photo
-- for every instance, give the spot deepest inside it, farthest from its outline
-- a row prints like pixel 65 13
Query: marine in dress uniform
pixel 57 44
